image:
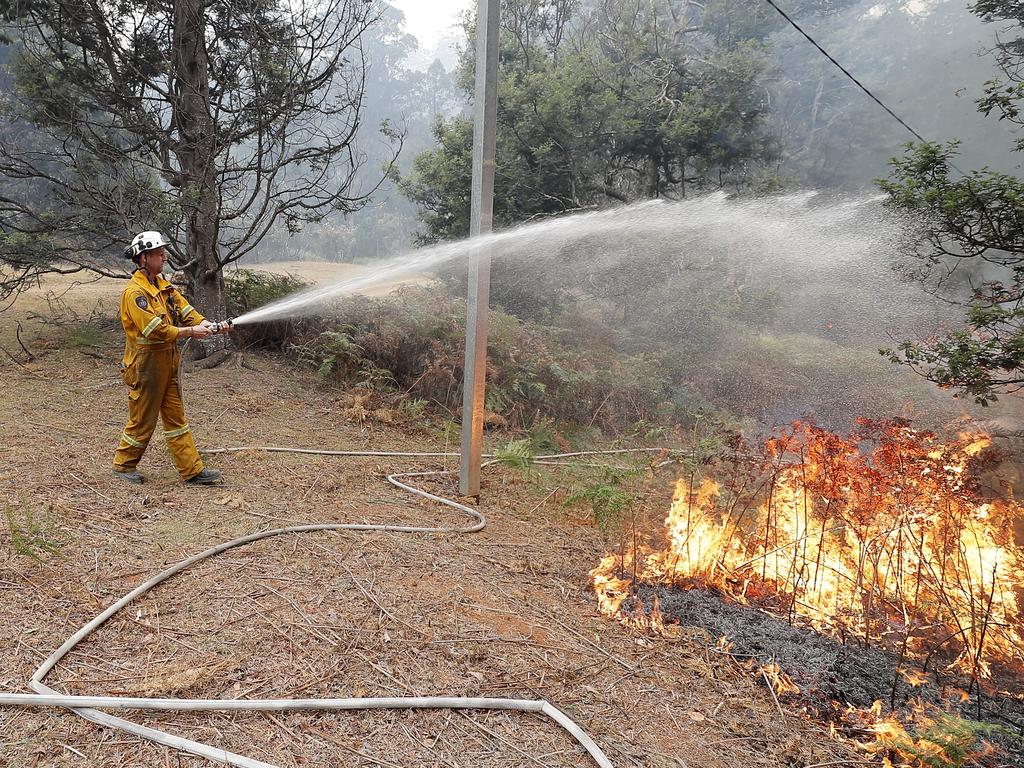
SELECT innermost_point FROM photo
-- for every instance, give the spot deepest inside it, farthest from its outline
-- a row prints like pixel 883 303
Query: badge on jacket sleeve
pixel 142 302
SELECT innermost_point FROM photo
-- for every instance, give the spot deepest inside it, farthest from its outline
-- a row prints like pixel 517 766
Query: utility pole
pixel 485 110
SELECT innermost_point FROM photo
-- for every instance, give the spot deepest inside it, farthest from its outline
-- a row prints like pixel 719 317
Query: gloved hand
pixel 204 329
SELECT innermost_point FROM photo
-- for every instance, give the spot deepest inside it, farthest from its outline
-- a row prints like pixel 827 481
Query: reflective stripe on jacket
pixel 150 314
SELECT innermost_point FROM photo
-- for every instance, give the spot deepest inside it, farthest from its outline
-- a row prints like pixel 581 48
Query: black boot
pixel 131 476
pixel 206 477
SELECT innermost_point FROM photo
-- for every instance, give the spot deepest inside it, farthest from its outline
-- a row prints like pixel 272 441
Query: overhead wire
pixel 845 71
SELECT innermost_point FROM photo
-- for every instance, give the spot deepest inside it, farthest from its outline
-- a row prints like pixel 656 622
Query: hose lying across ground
pixel 89 706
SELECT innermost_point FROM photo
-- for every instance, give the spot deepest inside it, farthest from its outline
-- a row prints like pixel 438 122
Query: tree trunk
pixel 195 148
pixel 653 181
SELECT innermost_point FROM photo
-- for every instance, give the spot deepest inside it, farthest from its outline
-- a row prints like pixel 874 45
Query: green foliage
pixel 947 741
pixel 248 289
pixel 29 537
pixel 333 353
pixel 543 437
pixel 413 340
pixel 970 241
pixel 85 335
pixel 97 143
pixel 608 501
pixel 585 372
pixel 602 102
pixel 439 181
pixel 451 432
pixel 972 237
pixel 517 454
pixel 412 409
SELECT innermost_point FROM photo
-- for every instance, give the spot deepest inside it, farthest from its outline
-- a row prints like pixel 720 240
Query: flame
pixel 929 737
pixel 883 534
pixel 779 680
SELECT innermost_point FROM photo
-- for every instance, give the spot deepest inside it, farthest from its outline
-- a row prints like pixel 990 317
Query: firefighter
pixel 155 316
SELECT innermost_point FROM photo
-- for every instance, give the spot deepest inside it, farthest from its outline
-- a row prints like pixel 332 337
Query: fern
pixel 608 502
pixel 517 454
pixel 948 741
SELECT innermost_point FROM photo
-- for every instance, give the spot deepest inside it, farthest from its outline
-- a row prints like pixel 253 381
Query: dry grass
pixel 506 612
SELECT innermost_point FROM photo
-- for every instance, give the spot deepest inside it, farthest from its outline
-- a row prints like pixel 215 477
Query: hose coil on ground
pixel 89 706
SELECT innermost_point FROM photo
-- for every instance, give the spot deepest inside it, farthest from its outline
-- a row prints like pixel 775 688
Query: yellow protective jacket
pixel 151 314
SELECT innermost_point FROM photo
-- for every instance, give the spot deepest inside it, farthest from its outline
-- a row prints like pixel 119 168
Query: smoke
pixel 770 308
pixel 927 60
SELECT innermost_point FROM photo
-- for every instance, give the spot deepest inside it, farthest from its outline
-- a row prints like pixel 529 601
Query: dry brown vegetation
pixel 507 612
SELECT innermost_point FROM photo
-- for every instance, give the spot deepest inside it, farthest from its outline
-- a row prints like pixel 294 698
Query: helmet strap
pixel 145 267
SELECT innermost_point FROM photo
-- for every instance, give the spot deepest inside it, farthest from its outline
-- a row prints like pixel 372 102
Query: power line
pixel 845 71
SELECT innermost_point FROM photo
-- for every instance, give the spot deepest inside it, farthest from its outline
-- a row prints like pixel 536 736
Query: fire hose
pixel 88 706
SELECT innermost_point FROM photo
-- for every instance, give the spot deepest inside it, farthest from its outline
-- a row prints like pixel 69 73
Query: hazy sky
pixel 429 19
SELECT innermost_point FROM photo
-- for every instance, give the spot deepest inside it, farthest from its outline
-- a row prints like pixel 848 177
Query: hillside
pixel 506 612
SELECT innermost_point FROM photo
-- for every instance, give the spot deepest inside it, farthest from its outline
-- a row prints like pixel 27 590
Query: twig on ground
pixel 311 487
pixel 72 749
pixel 58 427
pixel 624 664
pixel 17 334
pixel 771 690
pixel 384 610
pixel 354 751
pixel 302 614
pixel 540 503
pixel 80 480
pixel 110 383
pixel 18 362
pixel 504 741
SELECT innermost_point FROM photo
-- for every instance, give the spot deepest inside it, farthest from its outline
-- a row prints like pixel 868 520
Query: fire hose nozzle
pixel 223 326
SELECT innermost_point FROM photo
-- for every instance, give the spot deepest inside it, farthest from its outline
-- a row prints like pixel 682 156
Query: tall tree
pixel 601 101
pixel 214 120
pixel 920 60
pixel 969 239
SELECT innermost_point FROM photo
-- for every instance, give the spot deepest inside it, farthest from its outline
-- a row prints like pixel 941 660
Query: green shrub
pixel 83 335
pixel 608 501
pixel 248 289
pixel 29 537
pixel 517 454
pixel 332 353
pixel 942 741
pixel 544 437
pixel 412 409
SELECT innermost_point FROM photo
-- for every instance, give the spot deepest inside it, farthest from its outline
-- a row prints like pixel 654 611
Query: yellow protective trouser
pixel 153 378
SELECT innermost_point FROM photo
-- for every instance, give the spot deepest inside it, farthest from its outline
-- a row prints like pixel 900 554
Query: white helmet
pixel 145 241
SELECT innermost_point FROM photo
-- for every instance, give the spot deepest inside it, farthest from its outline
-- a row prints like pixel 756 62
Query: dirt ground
pixel 506 612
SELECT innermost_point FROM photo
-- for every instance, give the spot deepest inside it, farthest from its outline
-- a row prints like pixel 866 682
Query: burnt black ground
pixel 828 670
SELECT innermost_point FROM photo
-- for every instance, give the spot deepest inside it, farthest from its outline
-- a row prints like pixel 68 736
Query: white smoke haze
pixel 784 300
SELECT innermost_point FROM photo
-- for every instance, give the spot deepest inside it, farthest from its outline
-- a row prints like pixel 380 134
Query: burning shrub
pixel 931 740
pixel 882 535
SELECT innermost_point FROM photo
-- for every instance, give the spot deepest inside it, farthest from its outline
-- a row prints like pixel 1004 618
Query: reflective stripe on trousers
pixel 157 395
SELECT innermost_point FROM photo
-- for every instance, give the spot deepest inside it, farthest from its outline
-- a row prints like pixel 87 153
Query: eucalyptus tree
pixel 216 121
pixel 969 238
pixel 604 101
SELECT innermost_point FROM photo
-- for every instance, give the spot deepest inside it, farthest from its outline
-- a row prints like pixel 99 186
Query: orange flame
pixel 892 542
